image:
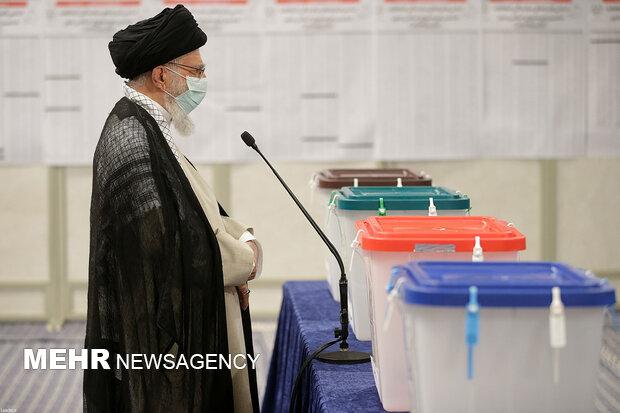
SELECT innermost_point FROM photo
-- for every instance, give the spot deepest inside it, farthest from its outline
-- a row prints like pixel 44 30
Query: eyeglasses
pixel 199 70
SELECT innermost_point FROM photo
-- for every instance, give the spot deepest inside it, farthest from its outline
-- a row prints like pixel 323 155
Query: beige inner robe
pixel 237 264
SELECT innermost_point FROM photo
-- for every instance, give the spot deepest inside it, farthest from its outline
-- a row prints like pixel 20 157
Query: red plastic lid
pixel 441 233
pixel 337 178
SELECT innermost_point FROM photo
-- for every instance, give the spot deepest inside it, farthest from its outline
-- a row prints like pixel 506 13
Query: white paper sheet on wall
pixel 603 82
pixel 534 74
pixel 236 86
pixel 20 83
pixel 427 79
pixel 331 79
pixel 320 80
pixel 79 84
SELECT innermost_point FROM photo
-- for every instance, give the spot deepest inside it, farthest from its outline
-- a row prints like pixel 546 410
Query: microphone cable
pixel 343 332
pixel 296 386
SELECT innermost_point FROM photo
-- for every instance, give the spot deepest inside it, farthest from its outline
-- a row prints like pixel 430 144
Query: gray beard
pixel 179 119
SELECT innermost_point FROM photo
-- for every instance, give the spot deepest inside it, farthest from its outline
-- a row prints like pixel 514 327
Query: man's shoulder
pixel 124 133
pixel 124 108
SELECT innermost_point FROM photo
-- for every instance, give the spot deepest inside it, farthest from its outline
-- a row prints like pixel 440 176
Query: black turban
pixel 155 41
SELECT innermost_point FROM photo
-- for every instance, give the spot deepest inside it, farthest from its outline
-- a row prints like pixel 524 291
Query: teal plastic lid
pixel 366 198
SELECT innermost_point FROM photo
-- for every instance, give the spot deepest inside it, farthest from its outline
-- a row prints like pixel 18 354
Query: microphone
pixel 344 355
pixel 249 140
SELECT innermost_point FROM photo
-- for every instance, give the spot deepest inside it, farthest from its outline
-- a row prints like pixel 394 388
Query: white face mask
pixel 196 91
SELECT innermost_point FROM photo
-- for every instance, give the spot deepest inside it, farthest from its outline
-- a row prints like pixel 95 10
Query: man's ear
pixel 158 77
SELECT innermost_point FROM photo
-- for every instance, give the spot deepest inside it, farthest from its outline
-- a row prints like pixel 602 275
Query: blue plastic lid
pixel 500 284
pixel 404 198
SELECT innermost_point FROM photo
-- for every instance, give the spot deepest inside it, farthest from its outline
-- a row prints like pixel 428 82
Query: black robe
pixel 155 276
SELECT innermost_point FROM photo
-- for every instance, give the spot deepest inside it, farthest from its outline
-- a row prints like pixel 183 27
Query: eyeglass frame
pixel 201 71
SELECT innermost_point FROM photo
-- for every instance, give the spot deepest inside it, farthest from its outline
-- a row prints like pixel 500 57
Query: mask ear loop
pixel 174 71
pixel 170 94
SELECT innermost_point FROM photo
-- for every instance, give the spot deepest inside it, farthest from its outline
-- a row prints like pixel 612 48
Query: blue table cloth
pixel 307 319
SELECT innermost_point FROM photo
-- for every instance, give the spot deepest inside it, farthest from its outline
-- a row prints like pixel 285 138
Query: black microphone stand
pixel 344 355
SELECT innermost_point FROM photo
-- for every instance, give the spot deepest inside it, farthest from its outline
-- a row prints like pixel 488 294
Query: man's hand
pixel 254 247
pixel 244 296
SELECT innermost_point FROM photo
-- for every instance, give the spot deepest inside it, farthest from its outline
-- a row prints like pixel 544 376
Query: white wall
pixel 583 229
pixel 589 213
pixel 24 258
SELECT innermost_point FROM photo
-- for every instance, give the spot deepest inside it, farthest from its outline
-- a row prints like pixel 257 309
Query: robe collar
pixel 157 111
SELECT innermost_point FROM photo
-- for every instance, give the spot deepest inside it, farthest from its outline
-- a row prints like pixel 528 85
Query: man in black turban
pixel 168 269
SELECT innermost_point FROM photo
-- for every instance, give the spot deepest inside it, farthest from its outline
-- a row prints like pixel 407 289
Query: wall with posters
pixel 317 80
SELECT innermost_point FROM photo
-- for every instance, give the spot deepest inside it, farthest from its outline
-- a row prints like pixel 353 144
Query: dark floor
pixel 61 390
